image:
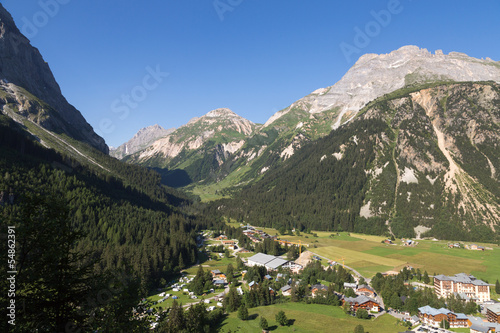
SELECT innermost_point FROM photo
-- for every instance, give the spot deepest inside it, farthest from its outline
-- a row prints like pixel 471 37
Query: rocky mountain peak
pixel 374 75
pixel 22 65
pixel 222 112
pixel 143 138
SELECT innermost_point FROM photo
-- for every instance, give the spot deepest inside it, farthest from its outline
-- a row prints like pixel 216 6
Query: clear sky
pixel 255 57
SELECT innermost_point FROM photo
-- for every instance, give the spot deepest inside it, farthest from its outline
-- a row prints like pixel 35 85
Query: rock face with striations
pixel 26 80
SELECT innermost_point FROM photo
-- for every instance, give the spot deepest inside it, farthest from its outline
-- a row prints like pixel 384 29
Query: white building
pixel 467 285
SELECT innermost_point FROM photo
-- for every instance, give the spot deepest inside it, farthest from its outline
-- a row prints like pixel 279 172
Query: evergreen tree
pixel 239 263
pixel 349 292
pixel 426 278
pixel 263 323
pixel 281 318
pixel 232 301
pixel 497 287
pixel 243 312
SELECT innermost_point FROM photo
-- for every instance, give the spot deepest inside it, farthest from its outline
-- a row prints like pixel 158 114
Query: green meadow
pixel 307 318
pixel 368 255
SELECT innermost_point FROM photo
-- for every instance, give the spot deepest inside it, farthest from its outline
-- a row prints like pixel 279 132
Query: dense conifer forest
pixel 90 227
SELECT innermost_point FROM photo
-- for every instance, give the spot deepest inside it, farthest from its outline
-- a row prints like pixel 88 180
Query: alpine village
pixel 372 205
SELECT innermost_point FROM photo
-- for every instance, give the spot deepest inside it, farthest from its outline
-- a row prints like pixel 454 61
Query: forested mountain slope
pixel 417 159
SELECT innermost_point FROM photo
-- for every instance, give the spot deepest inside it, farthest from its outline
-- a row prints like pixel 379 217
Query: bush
pixel 362 314
pixel 359 329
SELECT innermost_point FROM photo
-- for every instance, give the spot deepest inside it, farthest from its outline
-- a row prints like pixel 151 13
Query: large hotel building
pixel 464 285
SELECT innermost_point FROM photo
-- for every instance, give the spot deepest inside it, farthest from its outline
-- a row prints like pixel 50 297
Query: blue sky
pixel 255 57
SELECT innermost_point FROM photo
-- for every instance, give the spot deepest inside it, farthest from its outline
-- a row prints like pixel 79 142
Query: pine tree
pixel 497 287
pixel 263 323
pixel 281 318
pixel 426 278
pixel 243 312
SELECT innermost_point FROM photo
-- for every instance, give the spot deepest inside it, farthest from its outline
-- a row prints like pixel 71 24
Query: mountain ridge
pixel 22 65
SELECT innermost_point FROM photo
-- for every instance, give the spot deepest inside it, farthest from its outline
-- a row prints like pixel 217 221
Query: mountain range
pixel 406 143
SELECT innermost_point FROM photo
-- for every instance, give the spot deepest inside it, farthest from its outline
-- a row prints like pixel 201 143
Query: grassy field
pixel 368 255
pixel 308 318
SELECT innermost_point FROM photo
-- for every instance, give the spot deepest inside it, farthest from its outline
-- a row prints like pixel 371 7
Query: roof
pixel 285 288
pixel 433 312
pixel 319 286
pixel 462 278
pixel 495 308
pixel 350 285
pixel 216 271
pixel 365 286
pixel 219 282
pixel 261 258
pixel 252 283
pixel 480 328
pixel 360 299
pixel 275 263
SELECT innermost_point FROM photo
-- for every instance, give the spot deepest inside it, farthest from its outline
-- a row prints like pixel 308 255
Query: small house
pixel 286 290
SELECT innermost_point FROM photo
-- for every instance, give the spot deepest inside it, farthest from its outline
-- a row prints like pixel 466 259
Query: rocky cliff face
pixel 142 139
pixel 22 65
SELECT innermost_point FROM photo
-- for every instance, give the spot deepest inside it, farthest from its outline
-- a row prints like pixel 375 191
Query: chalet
pixel 366 290
pixel 362 302
pixel 228 242
pixel 253 284
pixel 286 290
pixel 318 288
pixel 471 287
pixel 242 250
pixel 268 277
pixel 433 317
pixel 493 313
pixel 216 273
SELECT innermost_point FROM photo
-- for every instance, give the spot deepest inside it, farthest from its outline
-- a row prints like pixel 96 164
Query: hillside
pixel 418 159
